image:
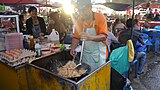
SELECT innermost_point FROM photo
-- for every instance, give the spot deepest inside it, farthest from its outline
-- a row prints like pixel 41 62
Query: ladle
pixel 80 61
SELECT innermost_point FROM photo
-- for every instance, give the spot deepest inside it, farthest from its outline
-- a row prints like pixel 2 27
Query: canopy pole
pixel 133 3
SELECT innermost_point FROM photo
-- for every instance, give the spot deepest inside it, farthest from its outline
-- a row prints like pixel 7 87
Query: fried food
pixel 69 70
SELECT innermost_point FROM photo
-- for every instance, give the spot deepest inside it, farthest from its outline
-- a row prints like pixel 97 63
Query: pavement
pixel 150 79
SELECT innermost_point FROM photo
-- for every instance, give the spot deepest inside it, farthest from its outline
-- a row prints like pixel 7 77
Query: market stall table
pixel 152 23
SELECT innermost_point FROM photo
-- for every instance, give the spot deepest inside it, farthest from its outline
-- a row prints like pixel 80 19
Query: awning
pixel 137 2
pixel 18 2
pixel 152 5
pixel 40 2
pixel 117 6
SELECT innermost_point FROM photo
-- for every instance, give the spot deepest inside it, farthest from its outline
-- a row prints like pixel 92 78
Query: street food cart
pixel 39 75
pixel 13 78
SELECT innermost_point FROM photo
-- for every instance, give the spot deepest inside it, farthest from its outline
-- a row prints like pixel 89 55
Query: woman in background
pixel 55 23
pixel 35 25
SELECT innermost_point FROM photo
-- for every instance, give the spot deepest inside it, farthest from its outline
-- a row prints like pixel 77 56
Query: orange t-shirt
pixel 100 26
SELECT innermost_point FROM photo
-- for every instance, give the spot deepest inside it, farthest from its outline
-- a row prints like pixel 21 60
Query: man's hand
pixel 97 38
pixel 74 45
pixel 73 52
pixel 41 34
pixel 85 36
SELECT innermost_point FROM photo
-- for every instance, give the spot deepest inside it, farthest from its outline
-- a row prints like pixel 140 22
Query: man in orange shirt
pixel 92 28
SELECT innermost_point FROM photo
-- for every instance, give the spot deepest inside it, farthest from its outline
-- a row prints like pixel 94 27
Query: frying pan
pixel 82 66
pixel 53 64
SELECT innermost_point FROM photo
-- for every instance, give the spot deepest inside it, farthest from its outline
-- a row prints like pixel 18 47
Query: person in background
pixel 136 38
pixel 91 28
pixel 35 25
pixel 148 11
pixel 119 24
pixel 111 38
pixel 125 35
pixel 21 24
pixel 55 23
pixel 1 24
pixel 155 12
pixel 157 17
pixel 150 16
pixel 136 25
pixel 139 16
pixel 146 25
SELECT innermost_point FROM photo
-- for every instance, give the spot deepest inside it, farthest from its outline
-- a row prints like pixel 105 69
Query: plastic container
pixel 13 41
pixel 54 36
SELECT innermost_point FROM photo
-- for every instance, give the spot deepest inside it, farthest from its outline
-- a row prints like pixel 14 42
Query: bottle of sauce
pixel 31 43
pixel 25 43
pixel 38 49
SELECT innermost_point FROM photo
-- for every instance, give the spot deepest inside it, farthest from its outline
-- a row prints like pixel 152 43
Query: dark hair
pixel 21 16
pixel 54 15
pixel 109 24
pixel 129 23
pixel 135 21
pixel 117 20
pixel 31 9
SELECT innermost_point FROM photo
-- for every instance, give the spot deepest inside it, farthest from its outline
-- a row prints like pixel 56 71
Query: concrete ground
pixel 150 79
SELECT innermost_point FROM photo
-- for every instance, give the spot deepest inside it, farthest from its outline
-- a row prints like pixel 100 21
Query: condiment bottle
pixel 25 43
pixel 38 49
pixel 31 43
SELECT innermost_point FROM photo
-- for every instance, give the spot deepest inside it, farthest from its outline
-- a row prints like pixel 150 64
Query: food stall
pixel 39 74
pixel 21 70
pixel 42 75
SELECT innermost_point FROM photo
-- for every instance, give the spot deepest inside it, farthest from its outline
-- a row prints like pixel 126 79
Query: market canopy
pixel 117 6
pixel 40 2
pixel 15 2
pixel 19 2
pixel 122 5
pixel 128 1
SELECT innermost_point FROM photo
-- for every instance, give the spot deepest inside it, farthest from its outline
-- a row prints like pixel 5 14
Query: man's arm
pixel 96 38
pixel 141 40
pixel 74 45
pixel 99 38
